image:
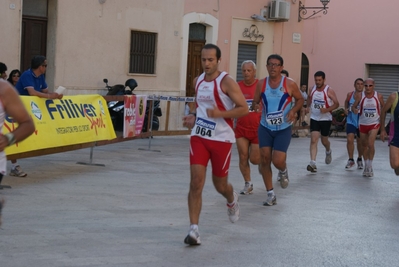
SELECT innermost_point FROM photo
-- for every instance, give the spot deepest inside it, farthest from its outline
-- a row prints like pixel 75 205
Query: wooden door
pixel 305 72
pixel 194 67
pixel 34 36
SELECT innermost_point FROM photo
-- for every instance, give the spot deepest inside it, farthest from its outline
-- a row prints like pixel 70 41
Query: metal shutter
pixel 386 78
pixel 245 52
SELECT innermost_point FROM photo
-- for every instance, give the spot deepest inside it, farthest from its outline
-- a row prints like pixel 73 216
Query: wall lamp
pixel 303 10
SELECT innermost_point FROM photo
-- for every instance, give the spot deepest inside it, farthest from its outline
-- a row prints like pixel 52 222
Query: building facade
pixel 355 39
pixel 155 42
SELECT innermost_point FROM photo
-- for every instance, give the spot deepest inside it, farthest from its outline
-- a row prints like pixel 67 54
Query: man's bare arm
pixel 234 92
pixel 358 98
pixel 384 111
pixel 43 94
pixel 189 120
pixel 346 103
pixel 296 93
pixel 15 108
pixel 256 100
pixel 333 96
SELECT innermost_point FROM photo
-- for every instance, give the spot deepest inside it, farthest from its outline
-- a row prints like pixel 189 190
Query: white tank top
pixel 208 95
pixel 320 99
pixel 370 110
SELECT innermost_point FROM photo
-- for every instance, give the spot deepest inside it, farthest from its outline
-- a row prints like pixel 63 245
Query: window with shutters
pixel 142 52
pixel 386 78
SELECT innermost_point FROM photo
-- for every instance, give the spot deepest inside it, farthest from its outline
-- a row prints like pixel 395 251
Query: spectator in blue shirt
pixel 33 83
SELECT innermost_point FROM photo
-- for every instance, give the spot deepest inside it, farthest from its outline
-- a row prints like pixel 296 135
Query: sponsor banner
pixel 134 113
pixel 171 98
pixel 60 122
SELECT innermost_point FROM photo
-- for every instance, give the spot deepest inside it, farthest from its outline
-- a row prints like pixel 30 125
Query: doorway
pixel 34 31
pixel 305 71
pixel 195 44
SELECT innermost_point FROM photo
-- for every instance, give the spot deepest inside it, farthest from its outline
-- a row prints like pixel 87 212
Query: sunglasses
pixel 15 75
pixel 368 85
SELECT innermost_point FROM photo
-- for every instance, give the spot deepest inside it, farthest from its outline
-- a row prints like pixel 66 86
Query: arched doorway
pixel 196 41
pixel 305 71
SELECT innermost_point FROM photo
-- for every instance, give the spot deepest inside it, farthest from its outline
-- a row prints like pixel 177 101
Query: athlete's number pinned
pixel 205 127
pixel 203 131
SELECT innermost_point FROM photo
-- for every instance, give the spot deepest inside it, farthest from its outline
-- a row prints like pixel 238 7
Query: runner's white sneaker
pixel 366 172
pixel 328 157
pixel 349 164
pixel 234 212
pixel 248 187
pixel 18 172
pixel 283 178
pixel 360 164
pixel 271 200
pixel 312 168
pixel 193 237
pixel 371 172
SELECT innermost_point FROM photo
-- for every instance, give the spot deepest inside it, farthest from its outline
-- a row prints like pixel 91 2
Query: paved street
pixel 133 211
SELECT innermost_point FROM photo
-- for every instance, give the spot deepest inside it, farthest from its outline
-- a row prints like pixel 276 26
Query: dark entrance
pixel 195 44
pixel 34 31
pixel 305 71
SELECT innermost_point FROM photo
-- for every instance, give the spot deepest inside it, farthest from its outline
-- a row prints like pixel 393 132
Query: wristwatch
pixel 10 138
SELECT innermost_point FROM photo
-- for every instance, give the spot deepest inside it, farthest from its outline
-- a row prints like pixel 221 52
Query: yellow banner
pixel 69 121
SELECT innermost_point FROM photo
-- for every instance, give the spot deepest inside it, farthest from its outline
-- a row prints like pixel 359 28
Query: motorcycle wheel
pixel 155 123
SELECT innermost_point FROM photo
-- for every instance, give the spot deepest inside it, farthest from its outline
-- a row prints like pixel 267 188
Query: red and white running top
pixel 208 95
pixel 370 110
pixel 318 100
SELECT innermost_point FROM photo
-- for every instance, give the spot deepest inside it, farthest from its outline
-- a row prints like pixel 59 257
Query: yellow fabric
pixel 71 120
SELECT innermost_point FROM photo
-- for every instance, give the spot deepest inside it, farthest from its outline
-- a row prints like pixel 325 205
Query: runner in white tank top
pixel 320 99
pixel 370 110
pixel 218 100
pixel 321 102
pixel 368 106
pixel 208 95
pixel 11 102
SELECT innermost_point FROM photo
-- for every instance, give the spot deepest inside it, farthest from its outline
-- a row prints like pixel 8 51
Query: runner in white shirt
pixel 368 106
pixel 321 102
pixel 11 104
pixel 218 100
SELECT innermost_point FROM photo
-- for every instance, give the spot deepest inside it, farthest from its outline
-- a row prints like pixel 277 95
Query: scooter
pixel 116 108
pixel 157 112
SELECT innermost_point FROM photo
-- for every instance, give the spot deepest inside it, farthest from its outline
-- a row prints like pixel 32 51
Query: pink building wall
pixel 351 35
pixel 226 10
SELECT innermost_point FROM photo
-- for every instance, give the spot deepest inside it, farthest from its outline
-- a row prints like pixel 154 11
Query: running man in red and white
pixel 218 100
pixel 368 106
pixel 321 102
pixel 246 129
